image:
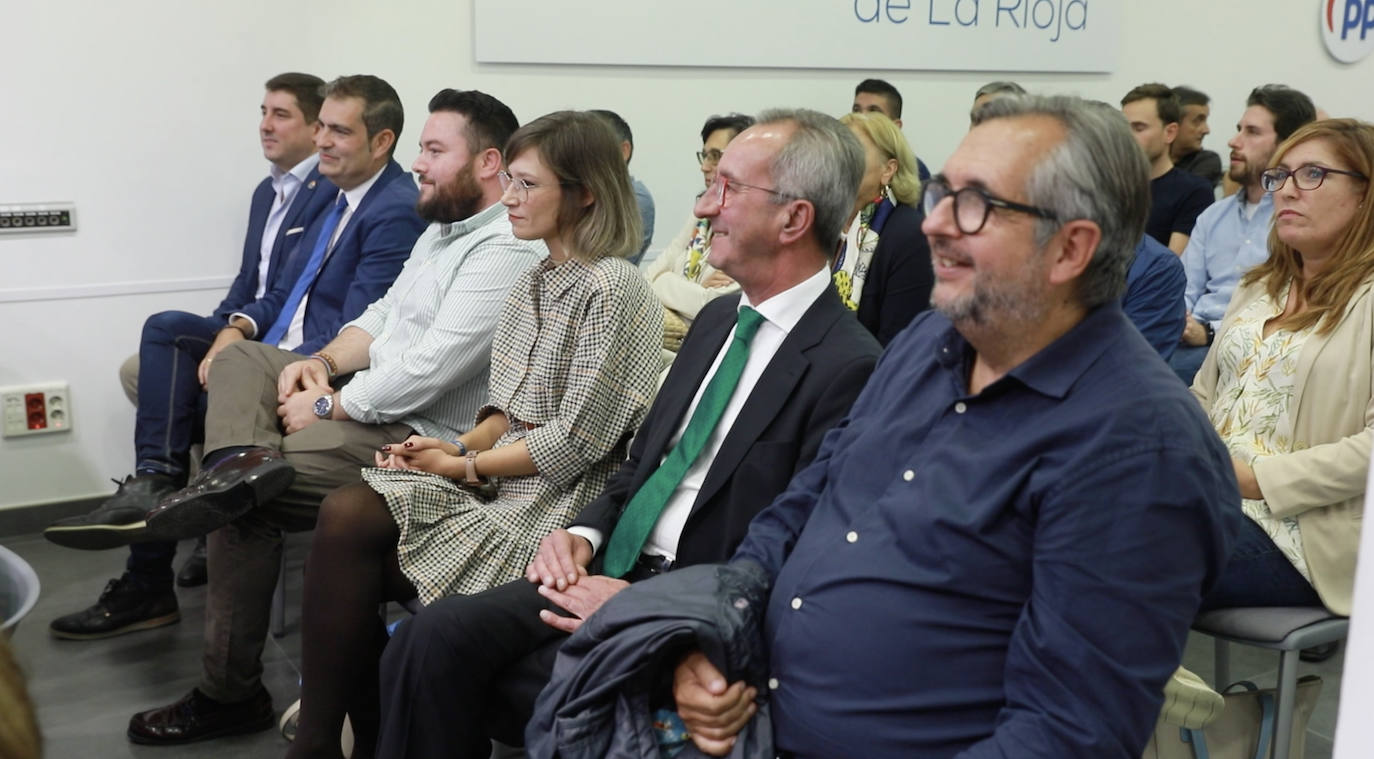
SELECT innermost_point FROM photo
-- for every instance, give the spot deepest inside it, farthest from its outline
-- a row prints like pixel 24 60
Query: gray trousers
pixel 245 557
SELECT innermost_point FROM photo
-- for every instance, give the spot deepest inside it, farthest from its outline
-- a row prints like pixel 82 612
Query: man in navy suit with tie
pixel 161 379
pixel 350 252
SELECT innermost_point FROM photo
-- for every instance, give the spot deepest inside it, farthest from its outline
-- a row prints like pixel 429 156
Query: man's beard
pixel 454 201
pixel 1249 175
pixel 995 302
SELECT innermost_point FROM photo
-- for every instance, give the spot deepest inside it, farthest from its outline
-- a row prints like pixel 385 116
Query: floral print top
pixel 1252 409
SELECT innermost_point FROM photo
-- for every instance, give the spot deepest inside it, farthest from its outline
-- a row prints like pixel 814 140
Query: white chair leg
pixel 1285 698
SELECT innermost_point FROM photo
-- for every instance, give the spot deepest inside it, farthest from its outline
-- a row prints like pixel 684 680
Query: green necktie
pixel 647 504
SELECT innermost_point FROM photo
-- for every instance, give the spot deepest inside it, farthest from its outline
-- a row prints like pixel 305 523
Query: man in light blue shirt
pixel 1232 235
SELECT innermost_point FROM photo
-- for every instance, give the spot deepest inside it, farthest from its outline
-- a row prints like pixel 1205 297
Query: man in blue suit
pixel 161 379
pixel 350 254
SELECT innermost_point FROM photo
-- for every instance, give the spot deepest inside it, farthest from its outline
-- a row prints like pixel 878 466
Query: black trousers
pixel 464 671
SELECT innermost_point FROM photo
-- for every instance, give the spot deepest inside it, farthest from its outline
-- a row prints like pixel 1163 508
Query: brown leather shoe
pixel 220 494
pixel 197 717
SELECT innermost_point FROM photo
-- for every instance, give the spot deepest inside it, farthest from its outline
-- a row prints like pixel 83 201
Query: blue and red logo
pixel 1348 28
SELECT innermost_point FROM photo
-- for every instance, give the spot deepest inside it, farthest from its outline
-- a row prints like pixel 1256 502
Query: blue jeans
pixel 171 402
pixel 1258 574
pixel 1187 359
pixel 170 418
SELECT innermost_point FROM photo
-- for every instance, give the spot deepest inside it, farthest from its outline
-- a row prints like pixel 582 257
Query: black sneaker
pixel 124 607
pixel 110 525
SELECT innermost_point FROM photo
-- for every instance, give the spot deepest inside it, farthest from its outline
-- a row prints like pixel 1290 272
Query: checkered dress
pixel 574 366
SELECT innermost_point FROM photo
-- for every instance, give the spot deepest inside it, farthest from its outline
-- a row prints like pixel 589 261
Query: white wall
pixel 144 113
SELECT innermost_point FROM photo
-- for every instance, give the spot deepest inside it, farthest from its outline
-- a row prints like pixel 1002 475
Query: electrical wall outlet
pixel 36 409
pixel 37 217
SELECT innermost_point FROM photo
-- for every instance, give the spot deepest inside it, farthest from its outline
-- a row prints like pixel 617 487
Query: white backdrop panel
pixel 942 35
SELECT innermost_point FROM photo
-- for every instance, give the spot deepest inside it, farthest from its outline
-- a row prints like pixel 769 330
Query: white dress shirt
pixel 285 185
pixel 781 314
pixel 295 334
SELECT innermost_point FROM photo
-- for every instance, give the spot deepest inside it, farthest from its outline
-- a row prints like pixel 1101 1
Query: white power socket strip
pixel 36 409
pixel 27 218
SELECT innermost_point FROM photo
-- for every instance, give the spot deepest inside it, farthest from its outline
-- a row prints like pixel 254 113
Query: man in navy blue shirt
pixel 999 552
pixel 1153 300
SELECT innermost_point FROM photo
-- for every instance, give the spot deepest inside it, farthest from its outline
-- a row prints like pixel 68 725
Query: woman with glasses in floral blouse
pixel 1289 381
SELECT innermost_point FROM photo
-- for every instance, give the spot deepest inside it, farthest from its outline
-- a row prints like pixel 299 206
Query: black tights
pixel 352 568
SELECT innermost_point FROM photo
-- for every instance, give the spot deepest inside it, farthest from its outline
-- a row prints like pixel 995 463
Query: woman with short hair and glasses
pixel 681 276
pixel 1289 380
pixel 881 266
pixel 574 366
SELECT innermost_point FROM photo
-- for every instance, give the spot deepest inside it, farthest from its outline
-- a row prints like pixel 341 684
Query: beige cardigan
pixel 683 296
pixel 1322 482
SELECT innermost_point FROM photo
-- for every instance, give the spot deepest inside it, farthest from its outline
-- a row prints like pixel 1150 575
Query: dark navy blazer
pixel 364 262
pixel 310 201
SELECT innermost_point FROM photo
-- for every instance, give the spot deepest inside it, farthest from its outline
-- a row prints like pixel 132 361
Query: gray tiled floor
pixel 86 691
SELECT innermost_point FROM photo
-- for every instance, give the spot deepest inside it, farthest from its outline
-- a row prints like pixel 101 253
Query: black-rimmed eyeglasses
pixel 1308 177
pixel 709 157
pixel 973 204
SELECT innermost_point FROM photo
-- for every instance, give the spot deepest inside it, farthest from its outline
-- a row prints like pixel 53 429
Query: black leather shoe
pixel 220 494
pixel 118 519
pixel 124 607
pixel 197 717
pixel 193 573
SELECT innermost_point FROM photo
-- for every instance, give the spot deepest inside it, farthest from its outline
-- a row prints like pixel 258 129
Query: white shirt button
pixel 908 475
pixel 772 683
pixel 852 537
pixel 796 603
pixel 960 407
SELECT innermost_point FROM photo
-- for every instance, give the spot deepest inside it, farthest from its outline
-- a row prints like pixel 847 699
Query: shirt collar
pixel 300 171
pixel 355 196
pixel 1057 366
pixel 475 221
pixel 787 308
pixel 1266 203
pixel 558 277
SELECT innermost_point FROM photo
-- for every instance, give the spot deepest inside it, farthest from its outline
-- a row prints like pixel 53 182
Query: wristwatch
pixel 324 406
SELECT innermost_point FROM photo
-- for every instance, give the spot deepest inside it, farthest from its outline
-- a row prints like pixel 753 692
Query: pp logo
pixel 1348 28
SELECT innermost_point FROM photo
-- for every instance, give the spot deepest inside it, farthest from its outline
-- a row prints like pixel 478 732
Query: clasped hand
pixel 423 454
pixel 713 712
pixel 559 568
pixel 299 385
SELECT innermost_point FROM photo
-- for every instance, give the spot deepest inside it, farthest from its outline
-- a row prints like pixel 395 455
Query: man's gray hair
pixel 999 88
pixel 823 163
pixel 1097 173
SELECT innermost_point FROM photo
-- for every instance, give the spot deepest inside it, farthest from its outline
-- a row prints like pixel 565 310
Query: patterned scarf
pixel 696 250
pixel 855 250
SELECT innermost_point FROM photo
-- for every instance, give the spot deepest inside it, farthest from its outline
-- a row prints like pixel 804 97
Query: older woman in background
pixel 681 276
pixel 882 266
pixel 1289 381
